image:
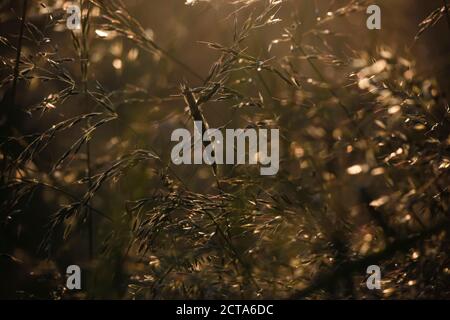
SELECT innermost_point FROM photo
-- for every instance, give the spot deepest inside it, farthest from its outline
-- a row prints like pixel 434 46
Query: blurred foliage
pixel 85 126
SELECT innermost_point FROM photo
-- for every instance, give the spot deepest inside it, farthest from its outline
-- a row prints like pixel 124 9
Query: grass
pixel 86 170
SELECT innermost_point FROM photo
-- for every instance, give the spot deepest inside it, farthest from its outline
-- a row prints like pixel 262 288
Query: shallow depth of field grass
pixel 86 175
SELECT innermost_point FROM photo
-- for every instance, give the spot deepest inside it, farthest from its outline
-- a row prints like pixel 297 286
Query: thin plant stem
pixel 447 14
pixel 19 51
pixel 84 62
